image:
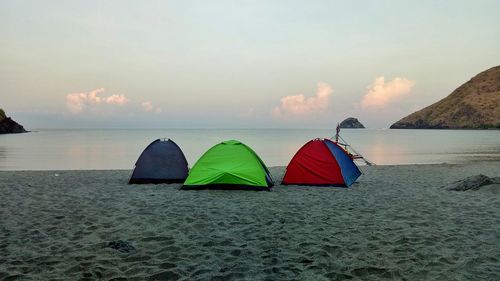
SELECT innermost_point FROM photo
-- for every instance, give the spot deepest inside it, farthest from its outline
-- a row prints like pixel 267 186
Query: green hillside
pixel 473 105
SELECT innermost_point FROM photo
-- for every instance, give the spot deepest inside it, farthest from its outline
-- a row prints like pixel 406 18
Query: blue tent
pixel 161 162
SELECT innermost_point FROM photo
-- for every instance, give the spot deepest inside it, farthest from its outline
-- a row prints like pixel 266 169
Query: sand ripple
pixel 396 223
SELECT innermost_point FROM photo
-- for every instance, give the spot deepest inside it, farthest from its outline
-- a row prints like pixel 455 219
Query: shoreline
pixel 474 160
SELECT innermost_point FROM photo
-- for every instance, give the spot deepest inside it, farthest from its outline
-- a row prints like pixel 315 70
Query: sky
pixel 237 64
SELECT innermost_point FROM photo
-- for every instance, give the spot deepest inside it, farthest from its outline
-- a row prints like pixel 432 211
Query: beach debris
pixel 472 183
pixel 120 245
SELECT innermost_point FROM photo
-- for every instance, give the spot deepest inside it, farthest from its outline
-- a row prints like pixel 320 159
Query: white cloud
pixel 117 99
pixel 381 94
pixel 80 102
pixel 300 105
pixel 92 96
pixel 76 102
pixel 149 107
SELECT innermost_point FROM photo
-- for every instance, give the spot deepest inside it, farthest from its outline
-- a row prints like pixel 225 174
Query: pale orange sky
pixel 237 63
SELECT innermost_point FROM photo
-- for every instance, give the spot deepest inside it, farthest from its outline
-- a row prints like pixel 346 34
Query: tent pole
pixel 345 144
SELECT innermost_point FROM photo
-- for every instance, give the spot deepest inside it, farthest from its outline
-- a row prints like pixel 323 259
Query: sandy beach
pixel 396 222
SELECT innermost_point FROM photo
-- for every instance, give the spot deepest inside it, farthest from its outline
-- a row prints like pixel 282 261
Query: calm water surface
pixel 119 149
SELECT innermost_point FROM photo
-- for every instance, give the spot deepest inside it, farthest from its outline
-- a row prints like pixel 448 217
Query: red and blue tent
pixel 321 162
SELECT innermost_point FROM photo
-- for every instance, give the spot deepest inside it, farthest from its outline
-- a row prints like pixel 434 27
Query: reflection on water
pixel 119 149
pixel 429 146
pixel 380 153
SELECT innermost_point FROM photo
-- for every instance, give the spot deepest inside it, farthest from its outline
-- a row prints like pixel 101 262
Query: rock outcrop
pixel 351 123
pixel 9 126
pixel 474 105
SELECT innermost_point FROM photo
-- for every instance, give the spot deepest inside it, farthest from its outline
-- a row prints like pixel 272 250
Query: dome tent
pixel 161 162
pixel 229 165
pixel 321 162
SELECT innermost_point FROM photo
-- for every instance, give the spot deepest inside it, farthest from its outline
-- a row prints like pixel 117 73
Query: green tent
pixel 229 165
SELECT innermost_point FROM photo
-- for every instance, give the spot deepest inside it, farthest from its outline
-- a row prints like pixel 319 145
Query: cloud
pixel 80 102
pixel 300 105
pixel 117 99
pixel 149 107
pixel 381 94
pixel 92 96
pixel 75 102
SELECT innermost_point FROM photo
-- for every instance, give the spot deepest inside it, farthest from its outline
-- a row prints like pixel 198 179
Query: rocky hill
pixel 474 105
pixel 351 123
pixel 9 126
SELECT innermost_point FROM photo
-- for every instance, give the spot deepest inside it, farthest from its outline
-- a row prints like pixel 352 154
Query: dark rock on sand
pixel 473 183
pixel 120 245
pixel 306 261
pixel 351 123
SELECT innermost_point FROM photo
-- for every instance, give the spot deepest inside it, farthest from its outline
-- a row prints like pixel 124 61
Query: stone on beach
pixel 120 245
pixel 473 183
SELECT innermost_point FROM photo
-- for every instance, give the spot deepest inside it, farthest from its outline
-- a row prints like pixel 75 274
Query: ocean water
pixel 102 149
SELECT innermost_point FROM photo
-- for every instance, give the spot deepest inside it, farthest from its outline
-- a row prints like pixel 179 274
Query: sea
pixel 108 149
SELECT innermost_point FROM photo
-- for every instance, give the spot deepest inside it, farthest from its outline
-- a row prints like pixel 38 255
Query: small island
pixel 351 123
pixel 9 126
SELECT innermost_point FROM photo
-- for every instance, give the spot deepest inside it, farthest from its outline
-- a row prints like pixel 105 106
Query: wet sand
pixel 396 222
